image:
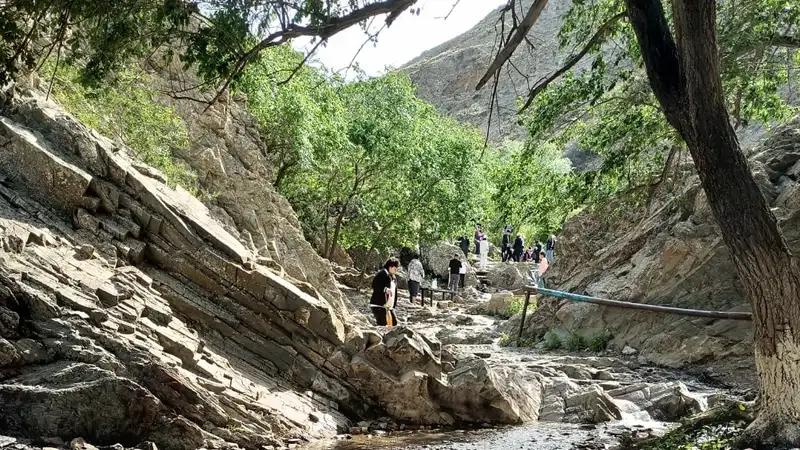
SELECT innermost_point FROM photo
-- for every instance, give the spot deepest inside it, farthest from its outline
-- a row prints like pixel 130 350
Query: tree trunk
pixel 686 80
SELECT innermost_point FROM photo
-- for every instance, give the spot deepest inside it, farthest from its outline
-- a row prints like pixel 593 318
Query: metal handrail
pixel 729 315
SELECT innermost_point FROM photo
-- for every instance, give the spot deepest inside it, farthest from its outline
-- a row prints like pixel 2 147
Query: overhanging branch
pixel 596 40
pixel 502 56
pixel 775 41
pixel 323 31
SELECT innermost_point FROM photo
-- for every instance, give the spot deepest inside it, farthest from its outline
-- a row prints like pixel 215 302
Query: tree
pixel 367 164
pixel 600 101
pixel 685 74
pixel 218 37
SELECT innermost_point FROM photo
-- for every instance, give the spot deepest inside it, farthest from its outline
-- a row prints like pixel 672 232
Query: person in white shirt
pixel 484 252
pixel 416 273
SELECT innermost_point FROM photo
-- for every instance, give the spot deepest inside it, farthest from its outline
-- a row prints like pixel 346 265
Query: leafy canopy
pixel 603 104
pixel 217 37
pixel 364 164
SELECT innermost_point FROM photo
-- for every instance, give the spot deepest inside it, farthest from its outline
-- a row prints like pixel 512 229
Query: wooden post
pixel 524 311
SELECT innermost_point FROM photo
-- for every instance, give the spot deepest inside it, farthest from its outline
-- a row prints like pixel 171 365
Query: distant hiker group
pixel 518 253
pixel 384 285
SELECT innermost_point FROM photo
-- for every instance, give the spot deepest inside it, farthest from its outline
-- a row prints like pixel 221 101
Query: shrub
pixel 551 341
pixel 125 110
pixel 599 341
pixel 575 342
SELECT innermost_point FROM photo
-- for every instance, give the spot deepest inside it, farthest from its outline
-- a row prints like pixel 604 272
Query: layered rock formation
pixel 671 254
pixel 129 312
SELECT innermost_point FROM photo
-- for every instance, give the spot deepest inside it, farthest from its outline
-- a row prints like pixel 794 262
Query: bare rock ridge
pixel 129 313
pixel 670 254
pixel 446 75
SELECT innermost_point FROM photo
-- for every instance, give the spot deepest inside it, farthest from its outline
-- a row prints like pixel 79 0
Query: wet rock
pixel 629 351
pixel 8 354
pixel 9 321
pixel 592 405
pixel 663 401
pixel 505 397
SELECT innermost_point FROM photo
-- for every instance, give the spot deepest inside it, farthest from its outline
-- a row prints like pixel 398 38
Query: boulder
pixel 667 401
pixel 9 320
pixel 508 276
pixel 499 393
pixel 74 399
pixel 498 303
pixel 8 354
pixel 436 259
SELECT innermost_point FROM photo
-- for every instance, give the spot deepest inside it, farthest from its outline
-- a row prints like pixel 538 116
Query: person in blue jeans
pixel 550 247
pixel 544 264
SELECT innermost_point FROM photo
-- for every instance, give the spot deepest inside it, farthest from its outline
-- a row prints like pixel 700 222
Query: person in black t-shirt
pixel 384 292
pixel 453 278
pixel 519 247
pixel 506 248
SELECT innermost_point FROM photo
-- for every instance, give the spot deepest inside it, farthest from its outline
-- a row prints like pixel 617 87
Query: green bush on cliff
pixel 127 112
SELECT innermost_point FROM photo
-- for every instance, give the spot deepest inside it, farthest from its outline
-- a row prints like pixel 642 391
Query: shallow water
pixel 538 436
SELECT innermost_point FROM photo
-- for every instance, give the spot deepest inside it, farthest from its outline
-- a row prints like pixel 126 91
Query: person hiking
pixel 484 261
pixel 519 246
pixel 550 247
pixel 453 278
pixel 537 249
pixel 463 243
pixel 544 264
pixel 384 293
pixel 416 273
pixel 506 247
pixel 477 238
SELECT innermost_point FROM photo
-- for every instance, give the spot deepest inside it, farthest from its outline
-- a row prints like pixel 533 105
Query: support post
pixel 524 312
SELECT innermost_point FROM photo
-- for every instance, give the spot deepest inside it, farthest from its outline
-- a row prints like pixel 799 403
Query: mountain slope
pixel 446 75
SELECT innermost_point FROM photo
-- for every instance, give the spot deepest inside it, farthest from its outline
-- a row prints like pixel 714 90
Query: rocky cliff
pixel 130 311
pixel 446 75
pixel 669 254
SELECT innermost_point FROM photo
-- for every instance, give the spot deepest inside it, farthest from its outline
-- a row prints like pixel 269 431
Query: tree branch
pixel 502 56
pixel 574 59
pixel 775 41
pixel 323 31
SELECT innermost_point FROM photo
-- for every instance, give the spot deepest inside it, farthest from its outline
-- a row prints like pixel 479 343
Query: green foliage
pixel 712 437
pixel 575 343
pixel 552 341
pixel 219 38
pixel 505 340
pixel 514 308
pixel 599 341
pixel 534 191
pixel 365 164
pixel 127 112
pixel 605 106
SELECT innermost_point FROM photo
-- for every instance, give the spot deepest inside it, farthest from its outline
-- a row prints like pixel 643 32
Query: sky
pixel 408 36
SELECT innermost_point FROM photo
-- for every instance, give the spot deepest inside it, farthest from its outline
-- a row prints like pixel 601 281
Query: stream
pixel 643 394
